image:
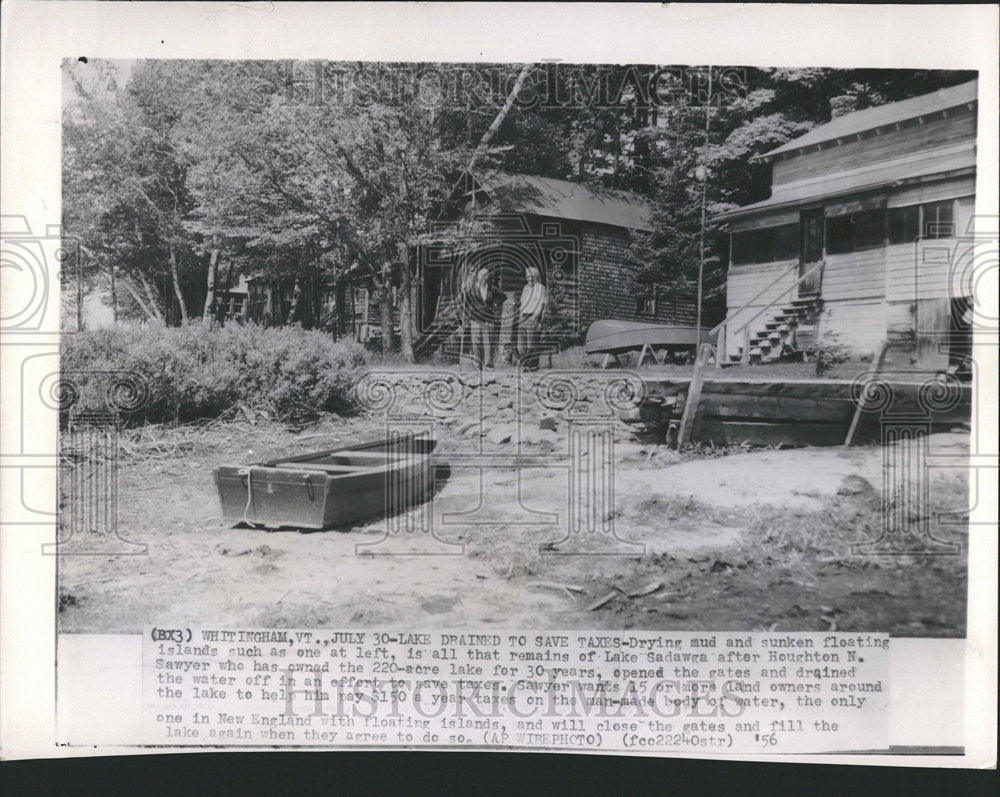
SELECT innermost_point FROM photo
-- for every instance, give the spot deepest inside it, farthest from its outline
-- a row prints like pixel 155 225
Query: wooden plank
pixel 778 408
pixel 792 388
pixel 331 469
pixel 688 425
pixel 764 433
pixel 357 447
pixel 856 419
pixel 908 140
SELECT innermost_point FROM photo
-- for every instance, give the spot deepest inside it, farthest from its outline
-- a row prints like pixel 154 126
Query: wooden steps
pixel 781 335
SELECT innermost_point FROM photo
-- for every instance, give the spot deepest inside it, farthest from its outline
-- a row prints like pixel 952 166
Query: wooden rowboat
pixel 611 337
pixel 329 488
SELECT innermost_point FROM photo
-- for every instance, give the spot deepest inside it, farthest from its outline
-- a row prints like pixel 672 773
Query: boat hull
pixel 611 337
pixel 331 488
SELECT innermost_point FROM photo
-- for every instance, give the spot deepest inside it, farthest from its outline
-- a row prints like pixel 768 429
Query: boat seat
pixel 331 468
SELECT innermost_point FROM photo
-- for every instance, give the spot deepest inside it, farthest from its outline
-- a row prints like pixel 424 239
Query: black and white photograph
pixel 382 344
pixel 387 359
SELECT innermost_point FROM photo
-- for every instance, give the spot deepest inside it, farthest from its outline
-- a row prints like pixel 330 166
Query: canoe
pixel 329 488
pixel 614 337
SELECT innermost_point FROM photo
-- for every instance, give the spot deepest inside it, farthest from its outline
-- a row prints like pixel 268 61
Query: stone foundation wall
pixel 503 408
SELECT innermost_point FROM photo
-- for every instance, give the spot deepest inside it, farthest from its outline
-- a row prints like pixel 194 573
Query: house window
pixel 939 219
pixel 645 302
pixel 863 229
pixel 933 219
pixel 904 224
pixel 786 242
pixel 767 245
pixel 236 305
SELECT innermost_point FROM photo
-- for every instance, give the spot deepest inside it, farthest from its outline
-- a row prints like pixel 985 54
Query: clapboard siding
pixel 743 285
pixel 899 318
pixel 858 325
pixel 959 126
pixel 921 271
pixel 965 212
pixel 866 296
pixel 857 275
pixel 745 282
pixel 962 189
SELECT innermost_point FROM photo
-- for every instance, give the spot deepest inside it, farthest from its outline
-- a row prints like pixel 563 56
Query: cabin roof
pixel 561 199
pixel 880 116
pixel 952 162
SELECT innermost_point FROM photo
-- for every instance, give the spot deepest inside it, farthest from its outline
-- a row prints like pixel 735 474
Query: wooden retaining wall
pixel 800 412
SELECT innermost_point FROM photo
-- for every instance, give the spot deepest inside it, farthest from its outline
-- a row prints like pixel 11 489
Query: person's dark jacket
pixel 475 308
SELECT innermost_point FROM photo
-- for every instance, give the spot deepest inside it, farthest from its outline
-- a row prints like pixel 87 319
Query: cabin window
pixel 786 242
pixel 645 302
pixel 767 245
pixel 864 229
pixel 933 219
pixel 939 219
pixel 236 306
pixel 904 224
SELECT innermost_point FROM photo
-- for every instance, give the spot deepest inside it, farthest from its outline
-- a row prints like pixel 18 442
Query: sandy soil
pixel 754 540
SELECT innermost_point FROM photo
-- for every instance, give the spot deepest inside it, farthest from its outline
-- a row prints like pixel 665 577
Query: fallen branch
pixel 567 588
pixel 601 601
pixel 649 589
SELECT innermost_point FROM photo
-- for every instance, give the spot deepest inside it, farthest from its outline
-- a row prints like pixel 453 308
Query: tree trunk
pixel 488 135
pixel 213 261
pixel 293 311
pixel 177 284
pixel 385 303
pixel 151 311
pixel 405 311
pixel 79 295
pixel 269 306
pixel 114 297
pixel 340 302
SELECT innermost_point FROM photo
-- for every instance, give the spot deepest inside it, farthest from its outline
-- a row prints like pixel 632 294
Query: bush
pixel 827 354
pixel 194 371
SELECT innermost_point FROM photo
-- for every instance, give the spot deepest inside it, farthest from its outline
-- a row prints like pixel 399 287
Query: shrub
pixel 195 371
pixel 827 354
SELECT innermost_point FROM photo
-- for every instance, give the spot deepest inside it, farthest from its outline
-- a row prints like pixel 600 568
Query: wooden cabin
pixel 856 243
pixel 577 236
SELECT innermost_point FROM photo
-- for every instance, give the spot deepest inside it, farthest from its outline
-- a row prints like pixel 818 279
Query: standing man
pixel 532 309
pixel 482 309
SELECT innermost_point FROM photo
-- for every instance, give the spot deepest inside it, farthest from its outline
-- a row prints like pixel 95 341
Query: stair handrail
pixel 760 293
pixel 780 296
pixel 770 304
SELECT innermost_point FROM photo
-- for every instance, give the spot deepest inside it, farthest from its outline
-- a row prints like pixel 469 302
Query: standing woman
pixel 532 309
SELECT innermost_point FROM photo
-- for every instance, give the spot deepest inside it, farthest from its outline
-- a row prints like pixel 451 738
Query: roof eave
pixel 729 215
pixel 836 141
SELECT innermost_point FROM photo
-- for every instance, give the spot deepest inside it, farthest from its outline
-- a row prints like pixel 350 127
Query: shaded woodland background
pixel 309 170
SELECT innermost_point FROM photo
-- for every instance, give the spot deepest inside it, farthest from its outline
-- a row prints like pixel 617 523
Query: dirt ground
pixel 756 540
